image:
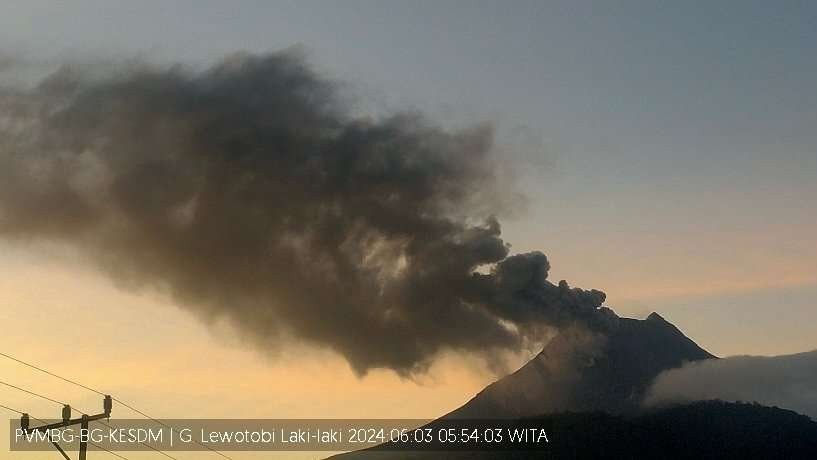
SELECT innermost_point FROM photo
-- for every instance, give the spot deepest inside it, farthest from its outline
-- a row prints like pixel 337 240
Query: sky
pixel 667 153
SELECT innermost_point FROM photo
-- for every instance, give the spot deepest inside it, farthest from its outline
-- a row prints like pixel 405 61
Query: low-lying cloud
pixel 787 381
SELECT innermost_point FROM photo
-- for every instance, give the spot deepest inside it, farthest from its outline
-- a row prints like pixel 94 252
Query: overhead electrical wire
pixel 140 442
pixel 50 373
pixel 31 393
pixel 123 403
pixel 40 396
pixel 44 422
pixel 11 409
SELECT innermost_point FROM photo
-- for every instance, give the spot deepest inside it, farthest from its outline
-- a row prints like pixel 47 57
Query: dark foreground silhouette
pixel 586 390
pixel 588 372
pixel 700 430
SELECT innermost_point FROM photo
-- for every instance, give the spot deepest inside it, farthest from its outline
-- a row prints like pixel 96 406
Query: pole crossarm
pixel 25 420
pixel 76 421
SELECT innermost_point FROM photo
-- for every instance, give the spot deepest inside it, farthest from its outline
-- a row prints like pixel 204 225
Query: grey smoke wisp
pixel 249 192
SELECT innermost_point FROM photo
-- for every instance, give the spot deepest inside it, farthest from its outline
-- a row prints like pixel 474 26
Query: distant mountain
pixel 701 430
pixel 585 389
pixel 580 371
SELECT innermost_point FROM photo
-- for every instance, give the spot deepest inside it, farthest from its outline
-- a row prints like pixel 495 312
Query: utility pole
pixel 107 405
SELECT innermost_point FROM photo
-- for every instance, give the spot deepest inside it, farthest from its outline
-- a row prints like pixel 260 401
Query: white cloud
pixel 787 381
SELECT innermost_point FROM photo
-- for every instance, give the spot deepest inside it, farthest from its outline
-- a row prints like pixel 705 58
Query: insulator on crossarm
pixel 107 405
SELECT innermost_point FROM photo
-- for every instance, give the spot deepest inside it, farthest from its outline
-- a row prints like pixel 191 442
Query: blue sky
pixel 668 152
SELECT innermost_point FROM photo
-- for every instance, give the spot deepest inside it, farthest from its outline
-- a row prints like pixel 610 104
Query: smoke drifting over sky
pixel 249 192
pixel 787 381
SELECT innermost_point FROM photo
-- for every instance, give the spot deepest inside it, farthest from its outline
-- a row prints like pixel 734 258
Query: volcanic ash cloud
pixel 249 192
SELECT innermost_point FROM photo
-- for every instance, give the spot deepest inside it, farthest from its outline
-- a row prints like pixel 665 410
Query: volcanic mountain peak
pixel 582 370
pixel 658 318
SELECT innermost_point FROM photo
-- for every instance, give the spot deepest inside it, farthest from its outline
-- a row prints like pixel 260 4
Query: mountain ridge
pixel 699 430
pixel 586 388
pixel 583 370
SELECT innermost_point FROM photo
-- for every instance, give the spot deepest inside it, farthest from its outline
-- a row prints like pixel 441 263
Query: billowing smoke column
pixel 248 192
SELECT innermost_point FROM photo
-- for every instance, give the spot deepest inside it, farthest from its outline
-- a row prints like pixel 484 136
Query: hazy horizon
pixel 664 154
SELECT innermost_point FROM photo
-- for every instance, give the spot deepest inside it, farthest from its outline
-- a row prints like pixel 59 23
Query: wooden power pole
pixel 67 421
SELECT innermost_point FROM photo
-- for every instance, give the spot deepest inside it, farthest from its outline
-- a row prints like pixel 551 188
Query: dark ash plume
pixel 249 192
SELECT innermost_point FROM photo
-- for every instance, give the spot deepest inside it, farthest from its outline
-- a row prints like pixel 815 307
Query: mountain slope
pixel 580 371
pixel 585 389
pixel 701 430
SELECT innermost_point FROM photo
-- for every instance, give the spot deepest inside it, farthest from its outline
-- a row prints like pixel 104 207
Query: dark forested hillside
pixel 710 429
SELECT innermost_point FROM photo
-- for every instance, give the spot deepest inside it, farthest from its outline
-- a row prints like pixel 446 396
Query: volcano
pixel 586 387
pixel 583 371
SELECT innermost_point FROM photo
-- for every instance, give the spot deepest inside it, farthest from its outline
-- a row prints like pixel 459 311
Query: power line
pixel 141 442
pixel 60 402
pixel 170 427
pixel 12 410
pixel 44 422
pixel 108 451
pixel 123 403
pixel 51 373
pixel 32 393
pixel 40 396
